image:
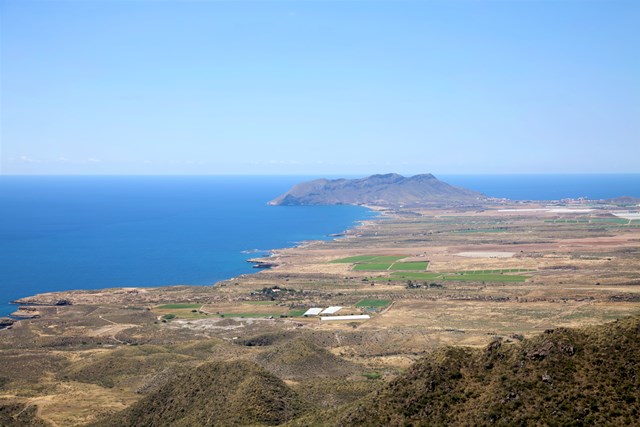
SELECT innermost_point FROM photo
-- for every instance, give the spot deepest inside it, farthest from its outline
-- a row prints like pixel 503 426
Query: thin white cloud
pixel 277 162
pixel 27 159
pixel 93 160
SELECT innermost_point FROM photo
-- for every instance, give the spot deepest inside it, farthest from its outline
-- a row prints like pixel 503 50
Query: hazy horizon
pixel 319 174
pixel 319 88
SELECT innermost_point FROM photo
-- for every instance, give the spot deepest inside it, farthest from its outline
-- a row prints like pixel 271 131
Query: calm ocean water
pixel 61 233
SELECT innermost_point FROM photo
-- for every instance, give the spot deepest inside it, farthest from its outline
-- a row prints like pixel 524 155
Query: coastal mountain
pixel 384 190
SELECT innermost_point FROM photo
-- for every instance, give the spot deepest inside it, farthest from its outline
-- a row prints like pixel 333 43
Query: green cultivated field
pixel 406 266
pixel 382 263
pixel 371 267
pixel 416 270
pixel 296 313
pixel 373 303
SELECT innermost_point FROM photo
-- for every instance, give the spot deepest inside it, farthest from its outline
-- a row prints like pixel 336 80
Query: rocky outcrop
pixel 261 263
pixel 44 300
pixel 6 323
pixel 26 313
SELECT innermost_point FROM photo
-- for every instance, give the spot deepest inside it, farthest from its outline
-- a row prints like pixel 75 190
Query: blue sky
pixel 332 87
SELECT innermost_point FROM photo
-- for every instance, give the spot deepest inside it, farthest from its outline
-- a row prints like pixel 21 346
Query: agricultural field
pixel 480 276
pixel 408 266
pixel 382 263
pixel 372 267
pixel 373 303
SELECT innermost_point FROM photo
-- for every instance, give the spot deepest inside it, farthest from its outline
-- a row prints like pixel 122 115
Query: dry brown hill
pixel 563 377
pixel 300 359
pixel 215 394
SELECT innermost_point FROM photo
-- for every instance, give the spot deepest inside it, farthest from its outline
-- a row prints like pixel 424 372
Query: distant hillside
pixel 386 190
pixel 299 359
pixel 624 201
pixel 562 377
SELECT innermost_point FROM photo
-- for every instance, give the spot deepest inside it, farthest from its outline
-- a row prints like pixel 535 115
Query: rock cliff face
pixel 386 190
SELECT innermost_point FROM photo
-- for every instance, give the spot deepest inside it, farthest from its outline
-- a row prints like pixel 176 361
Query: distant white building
pixel 331 310
pixel 350 317
pixel 312 311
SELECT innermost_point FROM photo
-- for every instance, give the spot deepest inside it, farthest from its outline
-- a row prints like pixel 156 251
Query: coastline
pixel 162 271
pixel 560 273
pixel 54 298
pixel 280 257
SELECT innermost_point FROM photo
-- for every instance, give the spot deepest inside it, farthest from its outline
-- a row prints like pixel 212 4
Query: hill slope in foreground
pixel 384 190
pixel 585 376
pixel 562 377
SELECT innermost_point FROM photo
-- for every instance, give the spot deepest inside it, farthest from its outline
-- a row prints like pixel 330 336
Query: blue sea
pixel 59 233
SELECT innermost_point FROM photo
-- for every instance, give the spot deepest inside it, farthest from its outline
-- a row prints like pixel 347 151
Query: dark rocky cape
pixel 385 190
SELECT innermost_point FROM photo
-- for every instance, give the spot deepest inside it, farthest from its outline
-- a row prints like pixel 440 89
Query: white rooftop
pixel 312 311
pixel 628 215
pixel 331 310
pixel 351 317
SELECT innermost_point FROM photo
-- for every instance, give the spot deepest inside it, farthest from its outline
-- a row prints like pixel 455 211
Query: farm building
pixel 331 310
pixel 312 312
pixel 350 317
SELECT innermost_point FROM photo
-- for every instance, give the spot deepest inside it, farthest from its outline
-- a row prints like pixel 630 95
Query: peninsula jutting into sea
pixel 449 307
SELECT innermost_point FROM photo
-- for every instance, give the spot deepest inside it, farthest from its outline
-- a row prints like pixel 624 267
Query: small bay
pixel 60 233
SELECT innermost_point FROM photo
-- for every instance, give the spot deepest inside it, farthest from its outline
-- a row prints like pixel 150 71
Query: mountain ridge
pixel 389 189
pixel 564 376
